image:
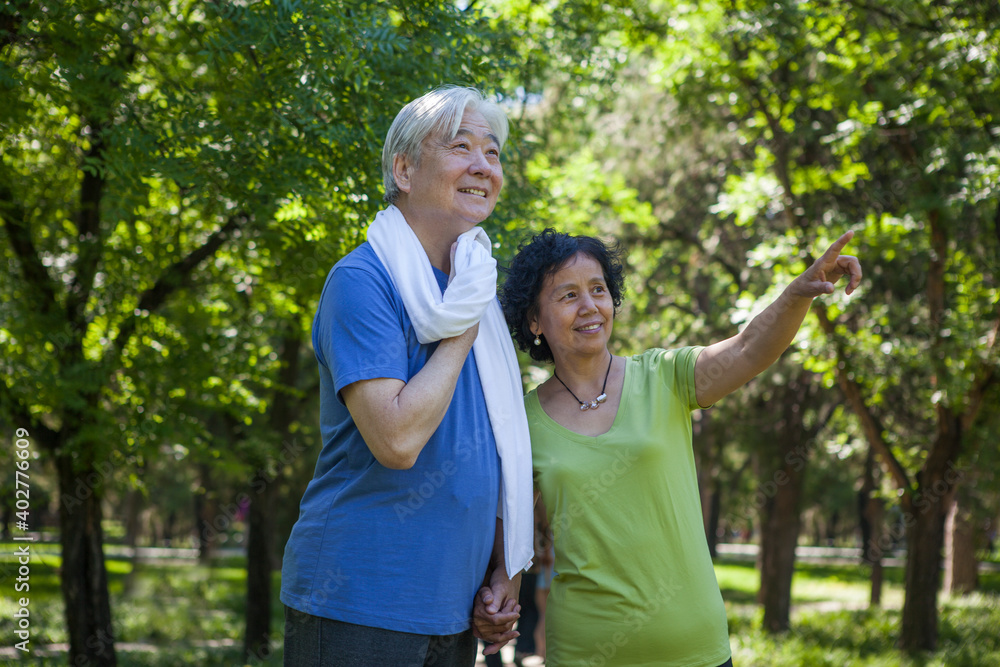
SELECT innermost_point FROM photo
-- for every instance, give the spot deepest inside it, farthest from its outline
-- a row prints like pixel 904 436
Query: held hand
pixel 495 611
pixel 495 629
pixel 827 270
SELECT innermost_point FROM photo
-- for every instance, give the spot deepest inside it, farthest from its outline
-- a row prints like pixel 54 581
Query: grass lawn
pixel 170 614
pixel 165 615
pixel 832 625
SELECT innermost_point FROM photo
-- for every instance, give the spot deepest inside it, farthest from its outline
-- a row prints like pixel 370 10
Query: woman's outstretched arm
pixel 727 365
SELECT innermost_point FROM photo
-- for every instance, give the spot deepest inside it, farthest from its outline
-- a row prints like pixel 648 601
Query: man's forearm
pixel 422 403
pixel 396 418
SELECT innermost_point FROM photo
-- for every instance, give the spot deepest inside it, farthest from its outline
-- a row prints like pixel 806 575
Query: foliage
pixel 192 119
pixel 176 180
pixel 855 117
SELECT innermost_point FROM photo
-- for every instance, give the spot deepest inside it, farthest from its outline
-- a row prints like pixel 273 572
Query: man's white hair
pixel 440 110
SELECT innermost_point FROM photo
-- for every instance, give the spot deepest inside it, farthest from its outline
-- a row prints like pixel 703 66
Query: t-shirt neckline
pixel 553 425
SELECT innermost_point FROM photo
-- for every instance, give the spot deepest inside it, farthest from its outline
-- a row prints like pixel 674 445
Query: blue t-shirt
pixel 404 550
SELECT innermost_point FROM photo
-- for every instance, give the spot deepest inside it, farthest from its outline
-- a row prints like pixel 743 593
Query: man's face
pixel 458 180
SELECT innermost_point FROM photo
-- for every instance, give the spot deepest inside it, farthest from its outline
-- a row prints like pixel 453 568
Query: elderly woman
pixel 612 454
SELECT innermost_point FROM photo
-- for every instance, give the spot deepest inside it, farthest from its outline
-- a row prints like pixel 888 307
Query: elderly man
pixel 421 499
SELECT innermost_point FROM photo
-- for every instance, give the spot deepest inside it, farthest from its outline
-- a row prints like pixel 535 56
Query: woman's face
pixel 575 311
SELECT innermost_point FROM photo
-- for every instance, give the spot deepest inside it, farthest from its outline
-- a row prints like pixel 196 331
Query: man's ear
pixel 402 168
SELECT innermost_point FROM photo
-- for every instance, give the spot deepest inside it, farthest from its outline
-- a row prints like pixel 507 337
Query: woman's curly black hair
pixel 542 256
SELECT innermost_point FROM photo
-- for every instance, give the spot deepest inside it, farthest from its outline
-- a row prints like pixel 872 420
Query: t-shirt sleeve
pixel 676 369
pixel 358 333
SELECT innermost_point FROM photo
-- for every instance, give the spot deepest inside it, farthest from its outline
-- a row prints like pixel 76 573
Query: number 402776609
pixel 22 488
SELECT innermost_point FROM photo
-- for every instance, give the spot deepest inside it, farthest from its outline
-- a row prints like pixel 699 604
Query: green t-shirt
pixel 634 583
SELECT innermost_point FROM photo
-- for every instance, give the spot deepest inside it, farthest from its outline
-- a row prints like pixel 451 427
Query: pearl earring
pixel 538 341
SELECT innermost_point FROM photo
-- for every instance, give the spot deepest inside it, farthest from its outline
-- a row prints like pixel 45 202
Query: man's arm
pixel 726 366
pixel 396 418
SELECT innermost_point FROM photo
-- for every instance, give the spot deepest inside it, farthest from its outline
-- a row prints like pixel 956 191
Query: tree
pixel 871 513
pixel 144 146
pixel 804 408
pixel 884 114
pixel 973 502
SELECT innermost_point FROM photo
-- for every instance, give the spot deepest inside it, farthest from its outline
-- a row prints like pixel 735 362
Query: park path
pixel 827 556
pixel 729 551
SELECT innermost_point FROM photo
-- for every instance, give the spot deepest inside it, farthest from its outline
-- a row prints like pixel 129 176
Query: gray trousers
pixel 311 641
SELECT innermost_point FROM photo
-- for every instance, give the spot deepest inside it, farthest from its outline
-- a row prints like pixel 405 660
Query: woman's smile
pixel 575 308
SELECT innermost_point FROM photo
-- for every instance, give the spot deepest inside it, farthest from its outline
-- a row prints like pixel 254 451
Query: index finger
pixel 838 245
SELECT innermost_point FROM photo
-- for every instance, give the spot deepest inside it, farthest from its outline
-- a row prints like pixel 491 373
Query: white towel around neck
pixel 469 298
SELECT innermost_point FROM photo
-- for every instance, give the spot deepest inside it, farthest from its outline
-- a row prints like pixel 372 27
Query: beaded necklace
pixel 596 403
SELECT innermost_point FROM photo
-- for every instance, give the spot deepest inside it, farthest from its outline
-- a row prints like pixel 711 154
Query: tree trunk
pixel 961 569
pixel 6 511
pixel 924 539
pixel 133 511
pixel 831 529
pixel 715 506
pixel 877 576
pixel 783 473
pixel 817 529
pixel 203 514
pixel 84 578
pixel 259 563
pixel 259 567
pixel 708 451
pixel 133 526
pixel 871 512
pixel 780 524
pixel 875 512
pixel 168 528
